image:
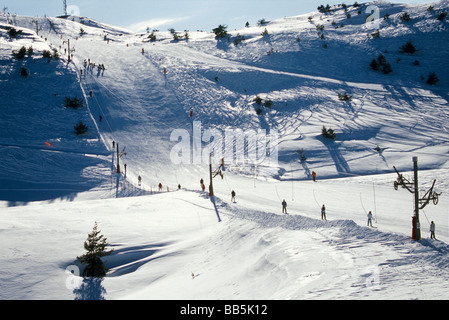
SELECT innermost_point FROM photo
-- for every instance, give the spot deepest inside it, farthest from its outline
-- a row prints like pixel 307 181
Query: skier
pixel 191 113
pixel 323 213
pixel 139 179
pixel 284 206
pixel 370 217
pixel 432 230
pixel 160 187
pixel 313 175
pixel 233 196
pixel 179 186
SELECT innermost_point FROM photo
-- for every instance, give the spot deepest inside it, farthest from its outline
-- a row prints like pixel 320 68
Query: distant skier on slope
pixel 323 213
pixel 370 218
pixel 284 206
pixel 233 195
pixel 432 230
pixel 160 187
pixel 313 175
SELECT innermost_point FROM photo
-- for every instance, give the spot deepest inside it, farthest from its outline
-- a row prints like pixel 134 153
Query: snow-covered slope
pixel 180 245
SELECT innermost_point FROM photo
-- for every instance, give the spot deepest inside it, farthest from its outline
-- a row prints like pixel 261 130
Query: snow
pixel 182 244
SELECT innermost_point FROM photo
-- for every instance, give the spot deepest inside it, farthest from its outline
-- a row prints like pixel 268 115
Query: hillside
pixel 55 183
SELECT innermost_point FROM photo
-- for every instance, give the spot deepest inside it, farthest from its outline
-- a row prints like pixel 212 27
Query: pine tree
pixel 220 31
pixel 95 246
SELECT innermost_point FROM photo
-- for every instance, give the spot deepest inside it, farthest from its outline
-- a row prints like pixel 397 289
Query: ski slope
pixel 183 245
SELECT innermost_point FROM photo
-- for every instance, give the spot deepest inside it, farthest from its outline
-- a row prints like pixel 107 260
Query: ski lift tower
pixel 65 7
pixel 119 155
pixel 213 174
pixel 420 203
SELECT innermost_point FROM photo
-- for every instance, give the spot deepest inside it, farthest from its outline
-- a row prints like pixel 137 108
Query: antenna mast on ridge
pixel 65 7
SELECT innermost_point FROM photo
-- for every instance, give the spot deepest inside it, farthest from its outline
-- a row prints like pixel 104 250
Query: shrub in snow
pixel 152 37
pixel 24 72
pixel 328 133
pixel 55 54
pixel 408 47
pixel 324 9
pixel 14 33
pixel 258 100
pixel 46 54
pixel 405 17
pixel 442 15
pixel 19 55
pixel 239 39
pixel 381 64
pixel 432 78
pixel 95 245
pixel 74 103
pixel 262 22
pixel 344 97
pixel 80 128
pixel 268 103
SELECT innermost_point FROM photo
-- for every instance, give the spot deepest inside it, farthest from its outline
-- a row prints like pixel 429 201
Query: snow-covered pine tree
pixel 95 246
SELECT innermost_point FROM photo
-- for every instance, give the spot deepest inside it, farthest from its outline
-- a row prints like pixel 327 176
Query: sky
pixel 189 15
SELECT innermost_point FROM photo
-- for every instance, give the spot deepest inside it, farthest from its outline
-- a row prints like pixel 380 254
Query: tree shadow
pixel 91 289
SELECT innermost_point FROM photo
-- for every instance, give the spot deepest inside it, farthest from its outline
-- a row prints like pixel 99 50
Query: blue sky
pixel 179 14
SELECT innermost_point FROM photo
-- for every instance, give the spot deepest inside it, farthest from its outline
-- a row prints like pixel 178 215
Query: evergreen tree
pixel 220 31
pixel 80 128
pixel 432 78
pixel 95 246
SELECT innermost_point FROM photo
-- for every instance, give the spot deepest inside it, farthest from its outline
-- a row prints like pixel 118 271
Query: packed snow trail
pixel 139 119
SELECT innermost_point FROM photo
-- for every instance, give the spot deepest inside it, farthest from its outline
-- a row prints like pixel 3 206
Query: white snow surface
pixel 181 244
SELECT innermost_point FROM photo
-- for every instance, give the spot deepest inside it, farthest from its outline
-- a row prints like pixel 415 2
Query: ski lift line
pixel 101 109
pixel 88 107
pixel 226 180
pixel 375 206
pixel 316 199
pixel 425 216
pixel 275 186
pixel 361 202
pixel 95 122
pixel 129 105
pixel 99 106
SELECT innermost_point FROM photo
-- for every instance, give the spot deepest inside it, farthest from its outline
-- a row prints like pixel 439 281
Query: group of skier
pixel 284 208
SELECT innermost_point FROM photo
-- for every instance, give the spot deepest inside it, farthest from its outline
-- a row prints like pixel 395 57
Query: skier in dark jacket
pixel 284 206
pixel 233 196
pixel 323 212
